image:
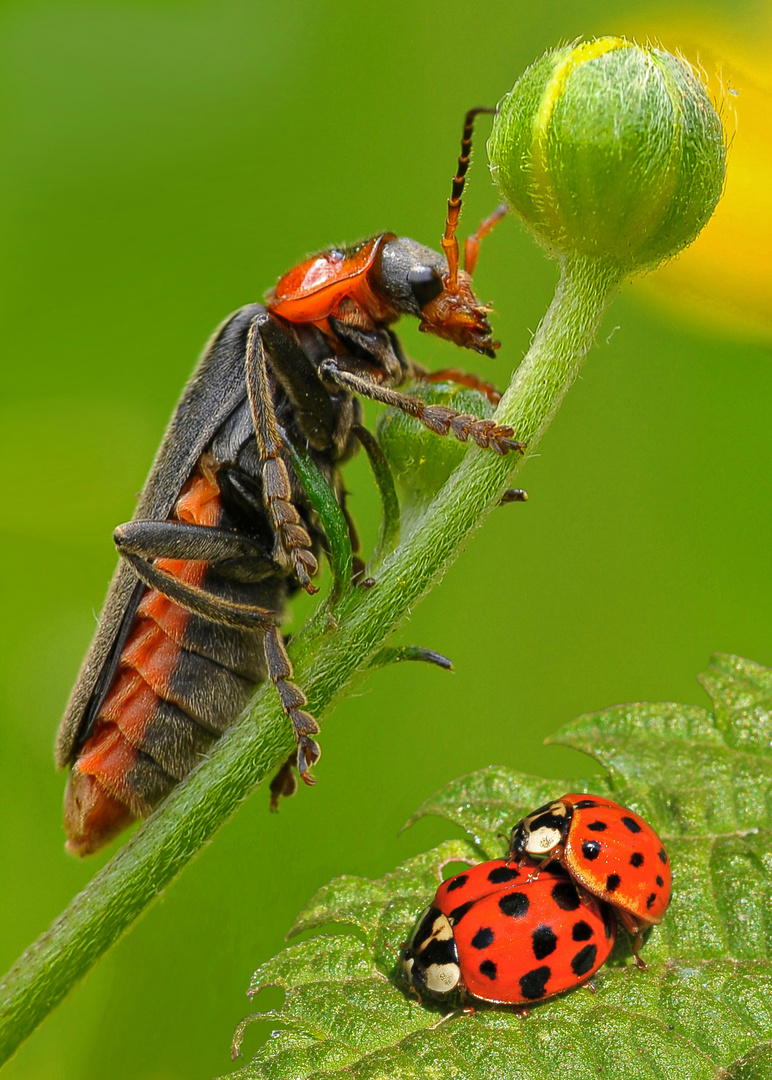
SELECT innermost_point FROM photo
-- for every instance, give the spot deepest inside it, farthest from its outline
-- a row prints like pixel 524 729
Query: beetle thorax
pixel 542 831
pixel 430 960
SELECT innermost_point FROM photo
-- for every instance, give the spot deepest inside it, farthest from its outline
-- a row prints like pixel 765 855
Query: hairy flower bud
pixel 610 149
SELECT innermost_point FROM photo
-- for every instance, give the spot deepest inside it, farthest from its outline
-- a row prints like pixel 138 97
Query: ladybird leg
pixel 232 554
pixel 293 543
pixel 467 1003
pixel 414 992
pixel 636 931
pixel 303 724
pixel 440 419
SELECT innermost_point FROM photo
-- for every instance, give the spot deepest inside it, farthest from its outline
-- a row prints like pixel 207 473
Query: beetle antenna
pixel 449 240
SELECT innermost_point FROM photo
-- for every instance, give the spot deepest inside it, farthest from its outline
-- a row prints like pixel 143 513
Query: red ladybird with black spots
pixel 610 851
pixel 501 936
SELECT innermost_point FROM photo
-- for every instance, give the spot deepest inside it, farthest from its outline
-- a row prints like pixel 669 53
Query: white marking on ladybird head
pixel 441 930
pixel 430 960
pixel 540 841
pixel 544 829
pixel 442 978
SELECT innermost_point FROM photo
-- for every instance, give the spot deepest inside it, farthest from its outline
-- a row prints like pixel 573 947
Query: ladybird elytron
pixel 608 850
pixel 502 936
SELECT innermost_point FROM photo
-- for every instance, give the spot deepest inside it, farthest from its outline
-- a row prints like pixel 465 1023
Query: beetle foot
pixel 285 784
pixel 486 433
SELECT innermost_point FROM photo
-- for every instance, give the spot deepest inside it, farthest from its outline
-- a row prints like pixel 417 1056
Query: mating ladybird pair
pixel 515 931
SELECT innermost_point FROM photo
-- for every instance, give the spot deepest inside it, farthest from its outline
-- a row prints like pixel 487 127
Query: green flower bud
pixel 609 149
pixel 419 460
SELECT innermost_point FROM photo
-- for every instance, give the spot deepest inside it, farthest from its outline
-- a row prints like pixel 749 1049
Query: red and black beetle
pixel 224 532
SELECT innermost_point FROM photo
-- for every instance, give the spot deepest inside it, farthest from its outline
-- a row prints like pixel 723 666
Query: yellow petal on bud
pixel 724 279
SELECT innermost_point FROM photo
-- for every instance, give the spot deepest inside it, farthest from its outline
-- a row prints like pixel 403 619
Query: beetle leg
pixel 278 662
pixel 313 408
pixel 635 930
pixel 463 378
pixel 640 964
pixel 303 724
pixel 472 243
pixel 284 784
pixel 292 540
pixel 230 554
pixel 200 601
pixel 440 419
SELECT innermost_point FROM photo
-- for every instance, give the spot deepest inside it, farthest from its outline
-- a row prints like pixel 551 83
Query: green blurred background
pixel 163 163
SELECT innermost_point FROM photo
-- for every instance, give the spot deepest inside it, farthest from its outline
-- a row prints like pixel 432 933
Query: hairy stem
pixel 328 656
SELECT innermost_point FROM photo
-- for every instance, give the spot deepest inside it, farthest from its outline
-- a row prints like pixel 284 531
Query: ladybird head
pixel 539 833
pixel 430 959
pixel 416 281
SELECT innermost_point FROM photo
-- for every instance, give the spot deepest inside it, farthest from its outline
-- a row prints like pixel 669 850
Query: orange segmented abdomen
pixel 117 776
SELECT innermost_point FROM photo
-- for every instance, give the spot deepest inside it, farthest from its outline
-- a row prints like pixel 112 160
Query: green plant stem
pixel 328 655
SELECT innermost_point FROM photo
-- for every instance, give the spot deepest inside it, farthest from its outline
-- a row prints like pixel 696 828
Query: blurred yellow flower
pixel 725 277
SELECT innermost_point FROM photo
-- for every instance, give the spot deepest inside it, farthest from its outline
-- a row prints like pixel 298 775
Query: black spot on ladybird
pixel 534 984
pixel 591 849
pixel 565 896
pixel 458 913
pixel 488 968
pixel 636 859
pixel 543 941
pixel 515 904
pixel 597 826
pixel 502 874
pixel 582 931
pixel 662 855
pixel 631 824
pixel 585 804
pixel 612 882
pixel 458 882
pixel 650 900
pixel 659 881
pixel 483 938
pixel 584 960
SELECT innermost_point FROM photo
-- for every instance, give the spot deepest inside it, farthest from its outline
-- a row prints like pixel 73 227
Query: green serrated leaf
pixel 703 1009
pixel 486 803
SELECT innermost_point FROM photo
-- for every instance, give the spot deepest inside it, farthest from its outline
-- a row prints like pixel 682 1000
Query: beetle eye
pixel 426 284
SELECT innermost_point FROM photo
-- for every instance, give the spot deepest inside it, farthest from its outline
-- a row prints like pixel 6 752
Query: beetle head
pixel 416 281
